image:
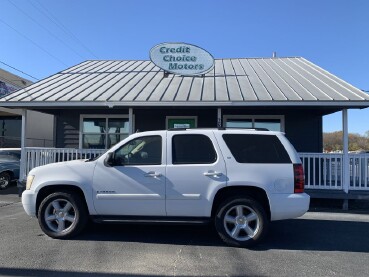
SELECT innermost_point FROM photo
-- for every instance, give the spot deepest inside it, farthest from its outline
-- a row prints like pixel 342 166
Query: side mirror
pixel 109 160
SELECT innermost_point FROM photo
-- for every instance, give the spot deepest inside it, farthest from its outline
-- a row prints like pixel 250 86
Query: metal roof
pixel 232 82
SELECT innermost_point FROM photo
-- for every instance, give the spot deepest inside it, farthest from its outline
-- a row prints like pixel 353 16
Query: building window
pixel 270 122
pixel 102 132
pixel 10 132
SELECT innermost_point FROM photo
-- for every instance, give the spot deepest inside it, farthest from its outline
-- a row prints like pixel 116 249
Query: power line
pixel 19 70
pixel 53 19
pixel 41 26
pixel 34 43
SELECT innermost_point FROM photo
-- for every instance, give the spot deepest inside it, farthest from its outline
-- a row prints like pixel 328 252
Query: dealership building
pixel 99 102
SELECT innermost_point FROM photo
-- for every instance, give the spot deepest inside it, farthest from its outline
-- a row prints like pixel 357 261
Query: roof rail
pixel 256 129
pixel 219 128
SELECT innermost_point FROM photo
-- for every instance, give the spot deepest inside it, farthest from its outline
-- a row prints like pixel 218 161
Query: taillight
pixel 299 178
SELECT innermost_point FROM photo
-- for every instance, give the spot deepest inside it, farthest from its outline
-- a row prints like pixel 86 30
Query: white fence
pixel 322 171
pixel 37 156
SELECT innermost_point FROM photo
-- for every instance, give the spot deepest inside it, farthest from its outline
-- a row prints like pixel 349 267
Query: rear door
pixel 195 172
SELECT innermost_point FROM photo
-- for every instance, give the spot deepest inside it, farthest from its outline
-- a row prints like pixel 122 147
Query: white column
pixel 346 161
pixel 22 170
pixel 219 119
pixel 130 119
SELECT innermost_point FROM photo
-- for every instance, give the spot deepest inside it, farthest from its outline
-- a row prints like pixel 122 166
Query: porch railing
pixel 37 156
pixel 322 171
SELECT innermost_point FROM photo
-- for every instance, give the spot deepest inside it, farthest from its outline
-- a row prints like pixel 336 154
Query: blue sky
pixel 42 37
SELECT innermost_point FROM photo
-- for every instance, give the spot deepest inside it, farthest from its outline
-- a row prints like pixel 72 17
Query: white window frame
pixel 106 116
pixel 179 117
pixel 253 118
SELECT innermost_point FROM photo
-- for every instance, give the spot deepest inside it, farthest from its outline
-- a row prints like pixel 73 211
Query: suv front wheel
pixel 241 222
pixel 62 215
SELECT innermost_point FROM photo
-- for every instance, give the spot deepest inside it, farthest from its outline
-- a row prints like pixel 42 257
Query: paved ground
pixel 318 244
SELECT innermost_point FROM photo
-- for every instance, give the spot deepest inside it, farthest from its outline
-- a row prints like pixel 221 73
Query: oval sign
pixel 181 58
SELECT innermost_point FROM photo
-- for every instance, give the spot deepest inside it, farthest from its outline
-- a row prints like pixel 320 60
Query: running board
pixel 150 220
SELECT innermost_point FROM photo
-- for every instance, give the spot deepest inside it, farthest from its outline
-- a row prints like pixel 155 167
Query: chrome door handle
pixel 153 174
pixel 213 173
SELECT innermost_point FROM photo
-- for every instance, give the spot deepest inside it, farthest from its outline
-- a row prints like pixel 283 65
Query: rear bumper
pixel 286 206
pixel 29 202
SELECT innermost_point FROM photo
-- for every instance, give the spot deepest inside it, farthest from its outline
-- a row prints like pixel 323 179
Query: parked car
pixel 239 180
pixel 9 166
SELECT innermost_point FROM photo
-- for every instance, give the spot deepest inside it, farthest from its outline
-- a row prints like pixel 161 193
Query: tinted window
pixel 256 148
pixel 193 149
pixel 140 151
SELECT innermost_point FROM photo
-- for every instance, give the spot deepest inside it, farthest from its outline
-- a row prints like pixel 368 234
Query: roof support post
pixel 130 120
pixel 346 160
pixel 22 170
pixel 219 120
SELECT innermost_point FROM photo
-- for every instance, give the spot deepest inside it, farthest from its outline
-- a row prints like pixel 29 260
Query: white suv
pixel 238 179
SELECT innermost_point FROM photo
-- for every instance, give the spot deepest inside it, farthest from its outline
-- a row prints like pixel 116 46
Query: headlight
pixel 29 181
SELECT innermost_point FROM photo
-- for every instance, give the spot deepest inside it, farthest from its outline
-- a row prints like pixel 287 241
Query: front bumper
pixel 29 202
pixel 287 206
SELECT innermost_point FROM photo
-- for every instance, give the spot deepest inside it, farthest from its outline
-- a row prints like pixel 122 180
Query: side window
pixel 140 151
pixel 256 148
pixel 193 149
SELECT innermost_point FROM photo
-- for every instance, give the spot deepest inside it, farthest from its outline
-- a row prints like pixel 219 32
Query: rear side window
pixel 193 149
pixel 256 148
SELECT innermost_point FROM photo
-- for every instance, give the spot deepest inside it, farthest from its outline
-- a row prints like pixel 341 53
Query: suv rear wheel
pixel 62 215
pixel 241 222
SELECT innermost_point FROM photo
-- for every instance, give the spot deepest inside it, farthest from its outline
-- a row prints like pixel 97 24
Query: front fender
pixel 86 190
pixel 74 173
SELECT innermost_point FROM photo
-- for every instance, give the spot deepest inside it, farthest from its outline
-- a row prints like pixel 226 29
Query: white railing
pixel 37 156
pixel 324 171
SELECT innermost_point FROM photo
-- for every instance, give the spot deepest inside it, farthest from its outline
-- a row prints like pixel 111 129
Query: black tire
pixel 5 180
pixel 241 222
pixel 62 215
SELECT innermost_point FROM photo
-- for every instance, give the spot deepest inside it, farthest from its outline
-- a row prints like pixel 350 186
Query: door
pixel 195 172
pixel 134 183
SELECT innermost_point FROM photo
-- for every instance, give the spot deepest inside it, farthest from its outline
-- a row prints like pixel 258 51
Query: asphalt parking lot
pixel 318 244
